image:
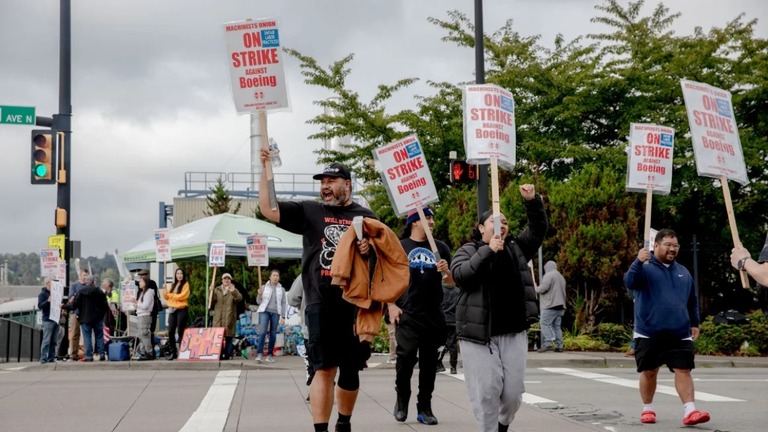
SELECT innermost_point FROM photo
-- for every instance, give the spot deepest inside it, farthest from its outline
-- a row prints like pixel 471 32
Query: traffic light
pixel 43 157
pixel 462 172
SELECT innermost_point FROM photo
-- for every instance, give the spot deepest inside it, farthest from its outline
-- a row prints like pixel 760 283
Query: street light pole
pixel 482 180
pixel 62 122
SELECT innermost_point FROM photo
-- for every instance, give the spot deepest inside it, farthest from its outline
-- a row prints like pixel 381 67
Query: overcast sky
pixel 151 95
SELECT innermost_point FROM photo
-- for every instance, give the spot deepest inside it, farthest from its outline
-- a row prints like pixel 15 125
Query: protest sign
pixel 217 253
pixel 649 164
pixel 162 245
pixel 405 174
pixel 716 143
pixel 489 125
pixel 714 133
pixel 56 299
pixel 61 272
pixel 258 254
pixel 254 57
pixel 49 262
pixel 128 293
pixel 201 344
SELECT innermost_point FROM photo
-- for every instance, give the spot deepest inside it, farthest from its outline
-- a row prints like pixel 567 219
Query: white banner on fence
pixel 405 174
pixel 714 134
pixel 649 166
pixel 489 125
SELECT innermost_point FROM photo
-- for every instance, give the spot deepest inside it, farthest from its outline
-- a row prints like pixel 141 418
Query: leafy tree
pixel 219 200
pixel 574 104
pixel 596 230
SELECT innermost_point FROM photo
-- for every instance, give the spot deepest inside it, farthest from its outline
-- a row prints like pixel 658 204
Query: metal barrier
pixel 19 341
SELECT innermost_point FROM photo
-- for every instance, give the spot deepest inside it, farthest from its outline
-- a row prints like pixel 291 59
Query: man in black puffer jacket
pixel 496 305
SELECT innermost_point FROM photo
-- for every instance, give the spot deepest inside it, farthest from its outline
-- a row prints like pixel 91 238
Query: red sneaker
pixel 695 417
pixel 648 417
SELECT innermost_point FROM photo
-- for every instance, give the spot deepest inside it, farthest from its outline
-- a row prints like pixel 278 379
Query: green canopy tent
pixel 191 242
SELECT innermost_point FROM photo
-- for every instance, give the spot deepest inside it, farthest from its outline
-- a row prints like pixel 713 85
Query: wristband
pixel 740 264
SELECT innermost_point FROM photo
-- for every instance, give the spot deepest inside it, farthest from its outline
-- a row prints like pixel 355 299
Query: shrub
pixel 583 342
pixel 381 340
pixel 613 335
pixel 727 339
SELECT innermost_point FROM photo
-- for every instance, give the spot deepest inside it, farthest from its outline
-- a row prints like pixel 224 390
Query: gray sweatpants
pixel 145 332
pixel 495 375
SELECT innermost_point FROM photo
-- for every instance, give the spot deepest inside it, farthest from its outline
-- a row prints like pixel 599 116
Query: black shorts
pixel 651 353
pixel 332 341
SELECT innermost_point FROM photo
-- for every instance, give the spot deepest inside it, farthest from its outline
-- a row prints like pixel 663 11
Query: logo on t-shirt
pixel 331 236
pixel 421 258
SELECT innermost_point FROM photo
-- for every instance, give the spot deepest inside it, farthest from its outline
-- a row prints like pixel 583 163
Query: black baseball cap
pixel 334 170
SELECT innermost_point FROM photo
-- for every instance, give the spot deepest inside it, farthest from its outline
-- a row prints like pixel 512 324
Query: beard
pixel 336 196
pixel 667 258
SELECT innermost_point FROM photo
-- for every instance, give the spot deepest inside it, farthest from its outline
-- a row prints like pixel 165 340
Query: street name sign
pixel 17 115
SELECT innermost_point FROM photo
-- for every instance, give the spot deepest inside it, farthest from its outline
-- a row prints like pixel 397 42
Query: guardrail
pixel 19 341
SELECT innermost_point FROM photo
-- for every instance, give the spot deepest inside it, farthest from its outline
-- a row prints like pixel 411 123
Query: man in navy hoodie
pixel 666 323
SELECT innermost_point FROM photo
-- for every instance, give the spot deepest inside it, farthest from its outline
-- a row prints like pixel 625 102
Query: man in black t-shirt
pixel 418 314
pixel 332 344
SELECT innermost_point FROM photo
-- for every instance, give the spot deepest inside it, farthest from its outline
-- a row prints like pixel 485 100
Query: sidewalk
pixel 571 359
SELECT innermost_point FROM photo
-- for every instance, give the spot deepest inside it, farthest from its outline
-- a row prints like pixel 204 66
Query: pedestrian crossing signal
pixel 462 172
pixel 43 157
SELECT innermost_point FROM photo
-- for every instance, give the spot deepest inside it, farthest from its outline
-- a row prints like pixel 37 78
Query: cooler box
pixel 119 351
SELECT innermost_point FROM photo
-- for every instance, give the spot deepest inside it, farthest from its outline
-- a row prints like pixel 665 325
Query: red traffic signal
pixel 462 172
pixel 43 157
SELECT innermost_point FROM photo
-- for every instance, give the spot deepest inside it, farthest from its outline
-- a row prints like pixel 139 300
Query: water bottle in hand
pixel 274 153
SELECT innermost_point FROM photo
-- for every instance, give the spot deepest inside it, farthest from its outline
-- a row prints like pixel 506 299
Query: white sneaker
pixel 258 359
pixel 391 361
pixel 270 359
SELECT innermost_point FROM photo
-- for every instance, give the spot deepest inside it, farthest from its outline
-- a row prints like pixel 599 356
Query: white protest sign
pixel 649 166
pixel 652 236
pixel 216 253
pixel 254 55
pixel 489 125
pixel 162 245
pixel 49 262
pixel 715 136
pixel 56 299
pixel 258 254
pixel 128 292
pixel 61 271
pixel 405 174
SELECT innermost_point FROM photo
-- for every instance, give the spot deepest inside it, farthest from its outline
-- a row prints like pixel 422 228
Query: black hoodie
pixel 92 304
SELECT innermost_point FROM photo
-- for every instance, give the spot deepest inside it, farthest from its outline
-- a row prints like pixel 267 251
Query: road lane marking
pixel 528 398
pixel 213 411
pixel 608 379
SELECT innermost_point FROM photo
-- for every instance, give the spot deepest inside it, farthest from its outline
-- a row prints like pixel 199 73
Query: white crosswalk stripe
pixel 212 413
pixel 608 379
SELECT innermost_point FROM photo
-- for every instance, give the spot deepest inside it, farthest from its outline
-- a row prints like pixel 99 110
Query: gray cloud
pixel 151 93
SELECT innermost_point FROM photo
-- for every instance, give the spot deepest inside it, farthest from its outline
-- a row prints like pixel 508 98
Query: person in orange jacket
pixel 176 295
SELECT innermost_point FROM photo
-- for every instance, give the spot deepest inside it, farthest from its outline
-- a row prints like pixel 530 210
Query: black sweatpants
pixel 417 342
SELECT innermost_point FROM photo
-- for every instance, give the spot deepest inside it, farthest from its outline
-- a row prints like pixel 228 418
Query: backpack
pixel 157 306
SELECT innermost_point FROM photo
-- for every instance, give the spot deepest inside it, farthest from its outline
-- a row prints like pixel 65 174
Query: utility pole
pixel 482 178
pixel 62 122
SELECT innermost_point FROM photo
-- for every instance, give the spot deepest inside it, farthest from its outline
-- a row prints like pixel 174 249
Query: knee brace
pixel 349 379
